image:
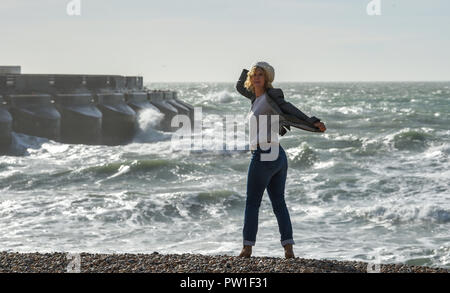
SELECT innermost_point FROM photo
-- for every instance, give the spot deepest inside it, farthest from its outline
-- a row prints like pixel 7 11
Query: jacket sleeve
pixel 288 108
pixel 240 85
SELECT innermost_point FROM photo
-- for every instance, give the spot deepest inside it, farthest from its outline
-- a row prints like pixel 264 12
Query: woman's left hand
pixel 321 126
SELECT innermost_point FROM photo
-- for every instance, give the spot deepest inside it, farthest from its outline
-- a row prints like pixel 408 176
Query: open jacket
pixel 288 113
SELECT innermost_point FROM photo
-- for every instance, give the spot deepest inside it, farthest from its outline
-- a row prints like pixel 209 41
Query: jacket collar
pixel 272 94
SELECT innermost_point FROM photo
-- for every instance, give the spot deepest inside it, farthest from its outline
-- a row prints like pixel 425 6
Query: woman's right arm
pixel 240 85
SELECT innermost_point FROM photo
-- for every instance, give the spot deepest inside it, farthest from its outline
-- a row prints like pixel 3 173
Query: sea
pixel 375 187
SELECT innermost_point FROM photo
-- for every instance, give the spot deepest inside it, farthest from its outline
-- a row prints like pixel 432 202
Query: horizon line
pixel 305 81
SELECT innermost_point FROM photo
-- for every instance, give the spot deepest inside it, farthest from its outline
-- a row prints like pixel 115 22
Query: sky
pixel 213 40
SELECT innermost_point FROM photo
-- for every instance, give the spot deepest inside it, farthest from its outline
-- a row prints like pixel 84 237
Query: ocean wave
pixel 348 140
pixel 302 156
pixel 22 144
pixel 370 147
pixel 400 214
pixel 136 165
pixel 214 195
pixel 223 96
pixel 364 176
pixel 410 139
pixel 188 206
pixel 148 119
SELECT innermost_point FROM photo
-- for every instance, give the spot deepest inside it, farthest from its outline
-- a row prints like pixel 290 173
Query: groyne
pixel 84 109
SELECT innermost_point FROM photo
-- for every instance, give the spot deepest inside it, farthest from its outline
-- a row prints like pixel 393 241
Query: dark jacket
pixel 288 113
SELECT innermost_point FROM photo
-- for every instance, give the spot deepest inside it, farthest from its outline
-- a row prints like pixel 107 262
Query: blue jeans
pixel 271 175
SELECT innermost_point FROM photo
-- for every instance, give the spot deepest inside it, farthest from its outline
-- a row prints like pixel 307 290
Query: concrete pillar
pixel 135 83
pixel 190 107
pixel 131 82
pixel 105 82
pixel 35 114
pixel 3 84
pixel 98 82
pixel 81 121
pixel 6 121
pixel 169 98
pixel 68 83
pixel 33 84
pixel 119 122
pixel 118 83
pixel 138 101
pixel 156 98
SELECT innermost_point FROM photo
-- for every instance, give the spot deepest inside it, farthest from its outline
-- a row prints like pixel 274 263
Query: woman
pixel 270 174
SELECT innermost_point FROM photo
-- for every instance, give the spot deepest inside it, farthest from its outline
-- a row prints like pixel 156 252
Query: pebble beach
pixel 12 262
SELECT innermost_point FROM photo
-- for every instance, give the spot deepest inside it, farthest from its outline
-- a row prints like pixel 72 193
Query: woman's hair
pixel 248 84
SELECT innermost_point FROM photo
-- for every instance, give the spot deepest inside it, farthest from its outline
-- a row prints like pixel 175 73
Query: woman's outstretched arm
pixel 240 85
pixel 289 108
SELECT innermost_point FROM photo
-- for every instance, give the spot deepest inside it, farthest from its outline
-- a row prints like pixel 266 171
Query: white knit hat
pixel 267 67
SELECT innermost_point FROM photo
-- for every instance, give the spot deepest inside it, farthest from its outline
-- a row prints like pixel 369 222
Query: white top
pixel 257 120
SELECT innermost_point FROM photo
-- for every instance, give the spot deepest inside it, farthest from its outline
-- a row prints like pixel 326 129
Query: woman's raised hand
pixel 321 126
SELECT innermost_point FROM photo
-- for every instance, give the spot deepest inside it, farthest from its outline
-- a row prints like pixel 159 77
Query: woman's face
pixel 258 79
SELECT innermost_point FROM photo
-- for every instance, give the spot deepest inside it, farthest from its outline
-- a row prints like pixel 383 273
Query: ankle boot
pixel 288 251
pixel 246 251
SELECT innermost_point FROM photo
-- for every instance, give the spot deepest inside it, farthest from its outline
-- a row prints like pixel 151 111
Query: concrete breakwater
pixel 85 109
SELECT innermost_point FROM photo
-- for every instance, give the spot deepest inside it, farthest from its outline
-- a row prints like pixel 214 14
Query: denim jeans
pixel 271 175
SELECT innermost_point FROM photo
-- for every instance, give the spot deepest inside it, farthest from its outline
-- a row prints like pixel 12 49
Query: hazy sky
pixel 212 40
